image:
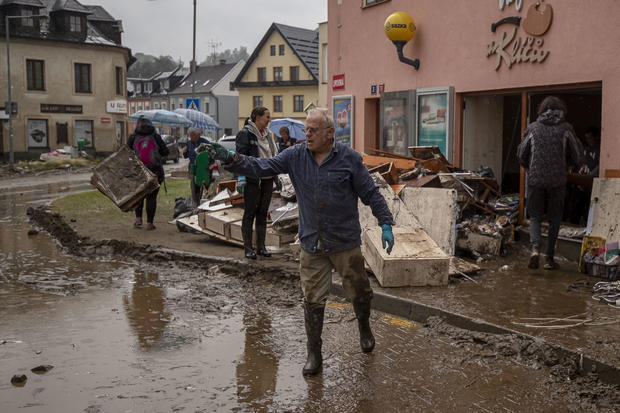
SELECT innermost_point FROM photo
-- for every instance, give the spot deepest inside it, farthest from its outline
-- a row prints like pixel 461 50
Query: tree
pixel 231 56
pixel 147 65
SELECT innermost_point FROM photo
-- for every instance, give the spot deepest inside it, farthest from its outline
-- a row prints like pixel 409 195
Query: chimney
pixel 222 61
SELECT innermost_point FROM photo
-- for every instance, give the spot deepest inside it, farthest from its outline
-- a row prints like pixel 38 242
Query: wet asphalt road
pixel 129 337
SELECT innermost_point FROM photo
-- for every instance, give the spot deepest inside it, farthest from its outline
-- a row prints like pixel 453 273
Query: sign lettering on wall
pixel 510 48
pixel 49 108
pixel 116 106
pixel 338 82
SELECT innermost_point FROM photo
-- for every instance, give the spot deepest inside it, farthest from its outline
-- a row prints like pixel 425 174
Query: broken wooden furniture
pixel 124 179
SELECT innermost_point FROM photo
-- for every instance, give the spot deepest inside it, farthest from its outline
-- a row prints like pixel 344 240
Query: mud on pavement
pixel 278 287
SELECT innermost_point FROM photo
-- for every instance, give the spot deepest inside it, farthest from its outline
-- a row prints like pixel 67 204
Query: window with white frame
pixel 75 24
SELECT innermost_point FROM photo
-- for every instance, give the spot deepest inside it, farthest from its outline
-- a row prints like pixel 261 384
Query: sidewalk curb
pixel 419 312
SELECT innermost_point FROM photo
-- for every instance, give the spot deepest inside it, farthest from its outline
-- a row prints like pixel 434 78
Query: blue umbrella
pixel 162 116
pixel 199 120
pixel 295 128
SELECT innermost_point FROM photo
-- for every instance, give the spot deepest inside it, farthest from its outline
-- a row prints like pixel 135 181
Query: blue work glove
pixel 217 151
pixel 387 238
pixel 241 184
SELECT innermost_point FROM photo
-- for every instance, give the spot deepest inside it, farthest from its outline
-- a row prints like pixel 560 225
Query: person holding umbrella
pixel 285 138
pixel 256 141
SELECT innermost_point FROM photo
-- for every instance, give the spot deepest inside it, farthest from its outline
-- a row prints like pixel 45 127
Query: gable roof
pixel 206 77
pixel 303 42
pixel 99 14
pixel 35 3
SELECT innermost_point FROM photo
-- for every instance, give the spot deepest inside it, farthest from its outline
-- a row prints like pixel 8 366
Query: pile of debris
pixel 485 218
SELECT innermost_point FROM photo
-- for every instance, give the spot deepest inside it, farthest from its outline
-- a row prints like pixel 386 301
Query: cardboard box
pixel 416 260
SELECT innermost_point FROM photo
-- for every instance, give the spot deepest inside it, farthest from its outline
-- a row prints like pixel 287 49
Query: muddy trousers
pixel 539 198
pixel 256 200
pixel 316 279
pixel 151 206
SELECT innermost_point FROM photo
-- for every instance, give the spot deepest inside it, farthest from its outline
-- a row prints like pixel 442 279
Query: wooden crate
pixel 272 238
pixel 220 221
pixel 124 179
pixel 416 260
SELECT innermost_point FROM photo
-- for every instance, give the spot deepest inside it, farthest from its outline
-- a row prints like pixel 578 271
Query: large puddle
pixel 130 337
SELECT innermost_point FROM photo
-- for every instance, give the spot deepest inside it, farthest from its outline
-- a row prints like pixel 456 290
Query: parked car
pixel 228 142
pixel 173 148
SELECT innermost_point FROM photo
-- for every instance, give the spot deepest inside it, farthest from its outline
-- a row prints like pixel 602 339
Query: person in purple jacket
pixel 328 179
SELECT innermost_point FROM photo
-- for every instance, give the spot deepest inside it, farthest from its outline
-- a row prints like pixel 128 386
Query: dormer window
pixel 26 20
pixel 75 23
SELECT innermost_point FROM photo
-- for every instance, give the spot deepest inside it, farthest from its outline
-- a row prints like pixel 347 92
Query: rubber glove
pixel 387 237
pixel 220 153
pixel 241 184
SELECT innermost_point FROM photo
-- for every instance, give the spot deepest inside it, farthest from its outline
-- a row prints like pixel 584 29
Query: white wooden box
pixel 416 260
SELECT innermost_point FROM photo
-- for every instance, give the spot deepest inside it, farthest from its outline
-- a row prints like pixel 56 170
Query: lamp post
pixel 194 56
pixel 9 104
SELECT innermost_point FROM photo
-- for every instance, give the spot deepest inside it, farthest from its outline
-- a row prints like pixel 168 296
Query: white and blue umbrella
pixel 199 120
pixel 162 116
pixel 295 128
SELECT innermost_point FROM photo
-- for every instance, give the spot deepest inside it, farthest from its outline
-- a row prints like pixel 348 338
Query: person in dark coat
pixel 145 128
pixel 548 148
pixel 256 141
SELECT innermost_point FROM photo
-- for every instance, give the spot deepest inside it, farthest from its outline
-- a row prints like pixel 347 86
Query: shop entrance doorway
pixel 494 123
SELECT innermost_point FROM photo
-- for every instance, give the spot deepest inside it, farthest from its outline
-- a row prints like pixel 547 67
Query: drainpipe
pixel 217 109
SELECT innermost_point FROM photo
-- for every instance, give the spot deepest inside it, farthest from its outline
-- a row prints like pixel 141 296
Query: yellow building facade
pixel 58 111
pixel 281 74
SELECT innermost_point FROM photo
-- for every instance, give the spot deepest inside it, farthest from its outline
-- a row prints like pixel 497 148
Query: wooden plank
pixel 398 188
pixel 389 154
pixel 231 185
pixel 612 173
pixel 370 161
pixel 229 199
pixel 415 259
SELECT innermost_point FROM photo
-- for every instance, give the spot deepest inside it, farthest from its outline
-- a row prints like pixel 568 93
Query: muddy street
pixel 145 331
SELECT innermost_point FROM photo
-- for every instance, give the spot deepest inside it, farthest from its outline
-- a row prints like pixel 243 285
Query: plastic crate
pixel 609 272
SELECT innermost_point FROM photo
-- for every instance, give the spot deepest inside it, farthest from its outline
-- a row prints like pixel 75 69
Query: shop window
pixel 82 78
pixel 298 103
pixel 257 101
pixel 281 50
pixel 35 73
pixel 397 121
pixel 277 73
pixel 84 130
pixel 294 73
pixel 262 74
pixel 37 133
pixel 272 50
pixel 277 103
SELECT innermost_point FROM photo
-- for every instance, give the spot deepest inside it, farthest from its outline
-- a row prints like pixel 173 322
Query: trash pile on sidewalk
pixel 485 219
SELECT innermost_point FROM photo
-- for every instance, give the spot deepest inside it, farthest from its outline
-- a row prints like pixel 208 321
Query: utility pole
pixel 193 64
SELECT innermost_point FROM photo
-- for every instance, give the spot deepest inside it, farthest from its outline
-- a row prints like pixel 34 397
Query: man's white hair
pixel 328 120
pixel 193 130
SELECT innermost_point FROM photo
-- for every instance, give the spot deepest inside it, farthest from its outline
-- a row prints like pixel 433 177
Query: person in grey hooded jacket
pixel 548 148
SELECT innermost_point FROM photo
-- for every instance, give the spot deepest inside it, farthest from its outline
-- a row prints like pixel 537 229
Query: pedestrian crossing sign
pixel 191 103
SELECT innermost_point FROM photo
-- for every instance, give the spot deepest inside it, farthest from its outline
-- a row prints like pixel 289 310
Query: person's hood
pixel 251 126
pixel 145 129
pixel 551 117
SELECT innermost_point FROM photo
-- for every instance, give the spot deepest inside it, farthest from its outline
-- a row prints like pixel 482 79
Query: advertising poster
pixel 37 133
pixel 343 118
pixel 432 125
pixel 395 129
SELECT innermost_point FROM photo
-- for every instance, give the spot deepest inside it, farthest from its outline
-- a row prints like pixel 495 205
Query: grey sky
pixel 164 27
